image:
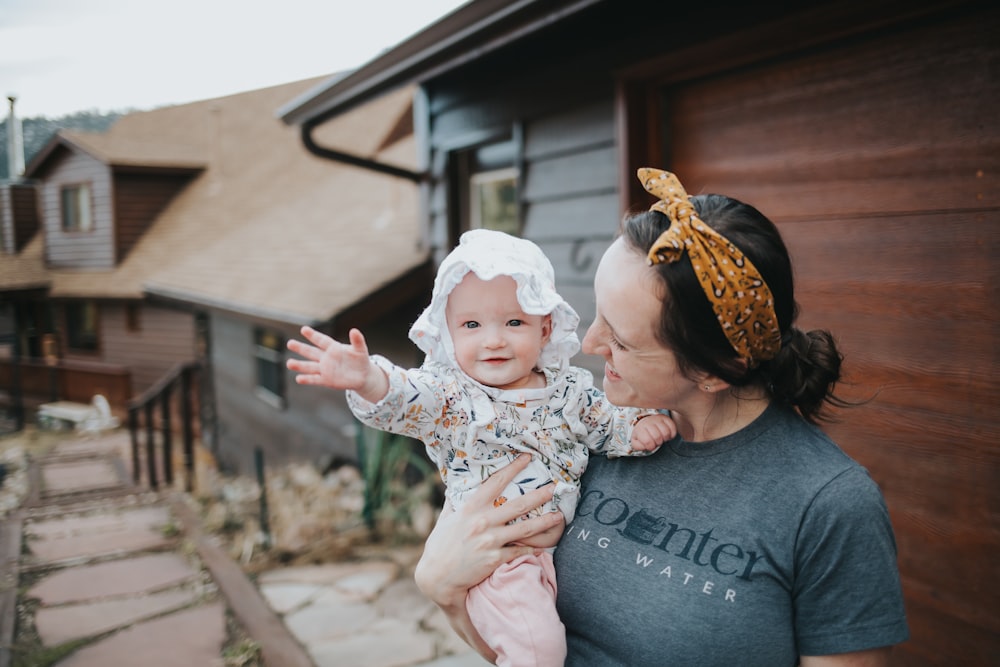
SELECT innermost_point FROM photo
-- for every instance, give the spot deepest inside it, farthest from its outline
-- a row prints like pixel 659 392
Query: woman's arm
pixel 467 545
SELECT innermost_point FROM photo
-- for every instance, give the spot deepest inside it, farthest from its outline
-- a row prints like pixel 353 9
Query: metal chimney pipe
pixel 15 143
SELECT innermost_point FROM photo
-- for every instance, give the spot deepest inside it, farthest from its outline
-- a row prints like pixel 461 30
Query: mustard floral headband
pixel 739 296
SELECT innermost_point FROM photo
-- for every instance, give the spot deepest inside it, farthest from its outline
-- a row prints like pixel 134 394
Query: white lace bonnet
pixel 489 254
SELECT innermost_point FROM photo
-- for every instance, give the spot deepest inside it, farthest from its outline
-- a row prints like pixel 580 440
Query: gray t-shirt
pixel 748 550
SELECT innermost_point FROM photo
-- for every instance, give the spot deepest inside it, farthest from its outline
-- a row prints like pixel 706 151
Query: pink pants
pixel 514 611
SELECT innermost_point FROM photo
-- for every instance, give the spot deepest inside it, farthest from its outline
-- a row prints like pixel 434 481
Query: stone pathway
pixel 112 576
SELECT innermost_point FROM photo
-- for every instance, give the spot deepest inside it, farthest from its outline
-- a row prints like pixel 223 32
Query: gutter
pixel 355 160
pixel 468 33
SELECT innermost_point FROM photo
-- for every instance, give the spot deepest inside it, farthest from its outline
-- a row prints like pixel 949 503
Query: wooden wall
pixel 139 198
pixel 19 219
pixel 884 182
pixel 164 337
pixel 90 250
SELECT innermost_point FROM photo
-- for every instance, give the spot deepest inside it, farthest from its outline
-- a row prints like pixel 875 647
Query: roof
pixel 125 150
pixel 267 229
pixel 25 270
pixel 472 30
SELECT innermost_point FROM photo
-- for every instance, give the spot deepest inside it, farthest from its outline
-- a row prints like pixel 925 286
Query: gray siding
pixel 93 249
pixel 569 194
pixel 311 424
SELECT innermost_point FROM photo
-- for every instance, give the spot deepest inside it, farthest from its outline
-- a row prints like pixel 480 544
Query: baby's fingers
pixel 317 338
pixel 358 342
pixel 304 349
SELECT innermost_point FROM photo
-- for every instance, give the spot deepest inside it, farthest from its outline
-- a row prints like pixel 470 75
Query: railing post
pixel 168 462
pixel 187 415
pixel 150 445
pixel 133 429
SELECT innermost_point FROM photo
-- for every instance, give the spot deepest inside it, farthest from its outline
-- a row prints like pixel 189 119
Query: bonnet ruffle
pixel 489 254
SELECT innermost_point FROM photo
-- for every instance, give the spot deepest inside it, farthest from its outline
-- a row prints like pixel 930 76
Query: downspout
pixel 329 154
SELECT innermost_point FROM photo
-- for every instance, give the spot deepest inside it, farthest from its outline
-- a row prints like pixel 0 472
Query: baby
pixel 495 383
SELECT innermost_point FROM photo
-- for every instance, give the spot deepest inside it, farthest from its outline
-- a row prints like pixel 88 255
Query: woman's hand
pixel 467 545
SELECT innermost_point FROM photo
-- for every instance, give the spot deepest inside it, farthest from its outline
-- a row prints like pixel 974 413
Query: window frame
pixel 81 335
pixel 269 354
pixel 76 208
pixel 478 184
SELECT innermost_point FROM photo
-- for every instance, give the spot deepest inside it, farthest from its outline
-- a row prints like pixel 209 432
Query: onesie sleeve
pixel 413 406
pixel 847 594
pixel 608 426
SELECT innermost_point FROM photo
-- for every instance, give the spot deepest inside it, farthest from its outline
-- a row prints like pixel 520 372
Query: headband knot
pixel 739 296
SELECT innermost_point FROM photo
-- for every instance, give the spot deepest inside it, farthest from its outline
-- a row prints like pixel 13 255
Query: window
pixel 484 182
pixel 75 201
pixel 270 366
pixel 493 201
pixel 81 325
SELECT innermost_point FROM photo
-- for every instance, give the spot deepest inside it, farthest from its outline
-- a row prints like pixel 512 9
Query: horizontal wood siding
pixel 19 218
pixel 78 250
pixel 139 198
pixel 879 160
pixel 569 184
pixel 6 219
pixel 313 424
pixel 164 338
pixel 24 204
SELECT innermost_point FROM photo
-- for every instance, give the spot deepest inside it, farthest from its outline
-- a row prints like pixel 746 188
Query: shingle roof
pixel 25 270
pixel 267 228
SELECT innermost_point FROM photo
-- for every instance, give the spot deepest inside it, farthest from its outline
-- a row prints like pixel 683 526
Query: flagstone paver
pixel 113 578
pixel 79 476
pixel 105 567
pixel 59 624
pixel 185 639
pixel 97 534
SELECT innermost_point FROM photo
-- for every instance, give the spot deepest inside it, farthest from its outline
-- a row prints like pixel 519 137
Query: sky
pixel 62 56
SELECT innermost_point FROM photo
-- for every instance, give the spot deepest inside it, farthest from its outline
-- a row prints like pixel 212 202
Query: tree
pixel 39 129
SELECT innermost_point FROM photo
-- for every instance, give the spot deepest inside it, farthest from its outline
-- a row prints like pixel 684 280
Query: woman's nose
pixel 591 341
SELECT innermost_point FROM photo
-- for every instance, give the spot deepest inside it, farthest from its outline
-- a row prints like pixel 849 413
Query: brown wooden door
pixel 878 157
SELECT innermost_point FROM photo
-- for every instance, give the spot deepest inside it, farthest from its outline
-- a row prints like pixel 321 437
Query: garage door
pixel 878 158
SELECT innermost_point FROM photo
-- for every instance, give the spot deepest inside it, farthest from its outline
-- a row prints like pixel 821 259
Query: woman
pixel 749 539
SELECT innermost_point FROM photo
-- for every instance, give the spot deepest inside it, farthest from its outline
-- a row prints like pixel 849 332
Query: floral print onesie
pixel 471 430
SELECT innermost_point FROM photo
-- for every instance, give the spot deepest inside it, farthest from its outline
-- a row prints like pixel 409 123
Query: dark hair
pixel 807 366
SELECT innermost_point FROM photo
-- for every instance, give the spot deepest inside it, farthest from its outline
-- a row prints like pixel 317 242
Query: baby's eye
pixel 471 325
pixel 515 323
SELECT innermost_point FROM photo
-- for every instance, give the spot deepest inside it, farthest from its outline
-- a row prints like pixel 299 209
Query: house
pixel 207 232
pixel 866 130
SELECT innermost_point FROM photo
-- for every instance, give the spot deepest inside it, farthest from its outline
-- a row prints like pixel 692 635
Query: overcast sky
pixel 61 56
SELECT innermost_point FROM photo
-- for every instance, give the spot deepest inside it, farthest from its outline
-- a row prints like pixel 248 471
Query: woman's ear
pixel 710 384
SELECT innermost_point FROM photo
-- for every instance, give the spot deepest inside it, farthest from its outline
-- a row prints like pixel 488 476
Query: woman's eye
pixel 615 344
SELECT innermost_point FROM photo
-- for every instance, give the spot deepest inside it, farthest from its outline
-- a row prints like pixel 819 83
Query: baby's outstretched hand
pixel 329 363
pixel 652 431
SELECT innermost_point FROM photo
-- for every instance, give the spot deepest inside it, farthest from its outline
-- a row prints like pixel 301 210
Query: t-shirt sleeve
pixel 847 593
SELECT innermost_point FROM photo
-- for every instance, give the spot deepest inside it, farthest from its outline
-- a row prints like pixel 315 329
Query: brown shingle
pixel 267 227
